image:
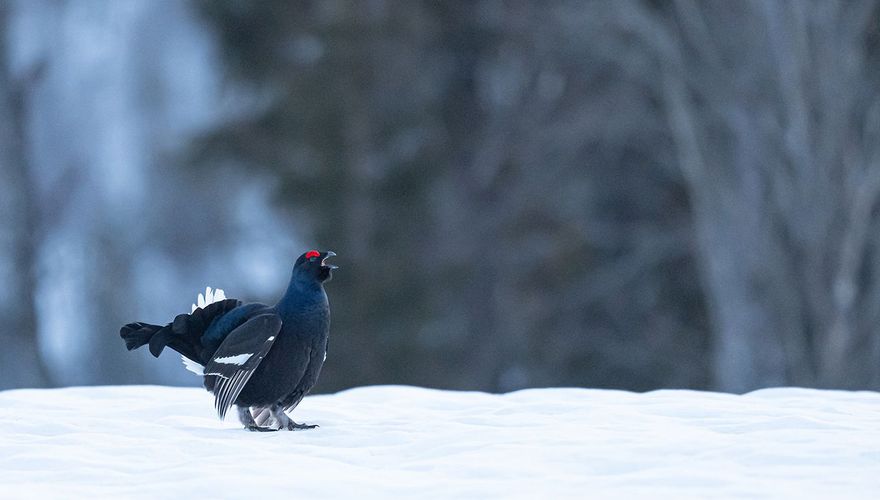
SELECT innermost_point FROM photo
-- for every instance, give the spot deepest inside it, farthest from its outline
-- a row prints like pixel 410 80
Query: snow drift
pixel 391 441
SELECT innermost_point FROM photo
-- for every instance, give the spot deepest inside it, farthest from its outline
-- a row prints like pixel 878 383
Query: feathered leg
pixel 247 420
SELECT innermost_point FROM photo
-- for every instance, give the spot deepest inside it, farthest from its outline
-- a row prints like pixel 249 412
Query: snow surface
pixel 407 442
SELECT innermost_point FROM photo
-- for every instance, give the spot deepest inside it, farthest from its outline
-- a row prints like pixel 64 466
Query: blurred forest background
pixel 627 194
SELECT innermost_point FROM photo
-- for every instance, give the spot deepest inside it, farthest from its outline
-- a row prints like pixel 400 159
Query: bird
pixel 262 359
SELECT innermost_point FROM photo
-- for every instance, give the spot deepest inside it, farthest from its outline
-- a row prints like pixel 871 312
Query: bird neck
pixel 301 295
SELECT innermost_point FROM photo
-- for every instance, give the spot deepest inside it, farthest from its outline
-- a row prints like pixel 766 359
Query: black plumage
pixel 263 359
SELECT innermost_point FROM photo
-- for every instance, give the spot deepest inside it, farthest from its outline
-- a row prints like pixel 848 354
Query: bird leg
pixel 285 421
pixel 247 420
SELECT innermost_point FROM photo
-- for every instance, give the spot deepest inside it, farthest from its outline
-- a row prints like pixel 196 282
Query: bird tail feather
pixel 184 334
pixel 158 337
pixel 138 334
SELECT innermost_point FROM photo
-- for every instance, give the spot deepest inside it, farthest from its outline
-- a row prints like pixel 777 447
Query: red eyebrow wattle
pixel 312 253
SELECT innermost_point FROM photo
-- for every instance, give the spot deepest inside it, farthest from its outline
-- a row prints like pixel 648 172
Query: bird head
pixel 312 266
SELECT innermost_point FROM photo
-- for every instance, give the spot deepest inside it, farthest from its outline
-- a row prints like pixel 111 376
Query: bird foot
pixel 292 426
pixel 284 421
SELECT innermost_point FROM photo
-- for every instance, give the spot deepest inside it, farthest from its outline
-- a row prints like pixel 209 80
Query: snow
pixel 407 442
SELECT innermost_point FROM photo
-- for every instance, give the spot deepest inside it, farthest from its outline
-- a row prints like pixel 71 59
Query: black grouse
pixel 263 359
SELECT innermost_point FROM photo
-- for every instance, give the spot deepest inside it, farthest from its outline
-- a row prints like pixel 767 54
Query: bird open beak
pixel 324 260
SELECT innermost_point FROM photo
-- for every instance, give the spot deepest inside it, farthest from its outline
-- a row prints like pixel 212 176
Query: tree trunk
pixel 20 356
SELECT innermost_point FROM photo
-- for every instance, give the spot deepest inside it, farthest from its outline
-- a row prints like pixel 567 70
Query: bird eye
pixel 311 254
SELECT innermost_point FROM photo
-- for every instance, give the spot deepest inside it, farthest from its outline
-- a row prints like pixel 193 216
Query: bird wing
pixel 293 399
pixel 308 379
pixel 238 357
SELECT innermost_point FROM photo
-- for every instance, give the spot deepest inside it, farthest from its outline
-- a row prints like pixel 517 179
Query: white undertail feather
pixel 210 296
pixel 193 366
